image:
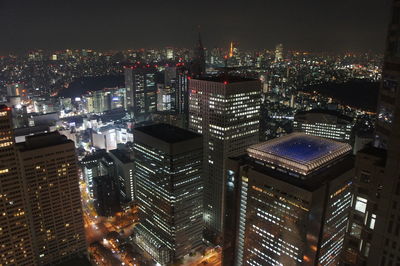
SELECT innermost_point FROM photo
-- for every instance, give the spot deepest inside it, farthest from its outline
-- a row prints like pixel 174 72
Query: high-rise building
pixel 326 124
pixel 106 195
pixel 51 187
pixel 97 164
pixel 16 246
pixel 278 52
pixel 164 98
pixel 374 229
pixel 141 90
pixel 124 169
pixel 198 66
pixel 168 169
pixel 293 195
pixel 226 111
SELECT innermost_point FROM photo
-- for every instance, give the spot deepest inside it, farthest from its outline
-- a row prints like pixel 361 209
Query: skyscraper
pixel 125 178
pixel 326 124
pixel 141 91
pixel 226 111
pixel 278 52
pixel 49 169
pixel 294 196
pixel 374 230
pixel 198 67
pixel 168 168
pixel 16 246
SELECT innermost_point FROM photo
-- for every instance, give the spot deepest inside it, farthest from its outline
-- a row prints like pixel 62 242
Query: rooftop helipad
pixel 299 152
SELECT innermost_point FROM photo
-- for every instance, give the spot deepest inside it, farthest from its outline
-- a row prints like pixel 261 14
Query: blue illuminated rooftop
pixel 299 152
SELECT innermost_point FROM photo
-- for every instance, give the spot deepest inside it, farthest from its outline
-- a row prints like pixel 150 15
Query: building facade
pixel 326 124
pixel 294 195
pixel 141 91
pixel 226 111
pixel 49 168
pixel 124 165
pixel 168 168
pixel 373 236
pixel 15 236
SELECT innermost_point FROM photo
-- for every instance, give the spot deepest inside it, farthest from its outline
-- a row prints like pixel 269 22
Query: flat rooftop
pixel 299 152
pixel 167 133
pixel 227 79
pixel 43 140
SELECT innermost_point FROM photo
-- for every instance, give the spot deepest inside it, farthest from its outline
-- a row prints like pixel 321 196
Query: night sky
pixel 313 25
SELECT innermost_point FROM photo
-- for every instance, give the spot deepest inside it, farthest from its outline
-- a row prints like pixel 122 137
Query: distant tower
pixel 199 62
pixel 231 50
pixel 279 52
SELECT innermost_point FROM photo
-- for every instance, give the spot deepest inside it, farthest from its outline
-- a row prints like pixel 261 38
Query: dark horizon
pixel 314 26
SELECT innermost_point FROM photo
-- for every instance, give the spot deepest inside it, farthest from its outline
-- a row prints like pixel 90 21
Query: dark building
pixel 106 195
pixel 374 229
pixel 141 91
pixel 168 164
pixel 291 197
pixel 124 166
pixel 226 111
pixel 177 78
pixel 198 66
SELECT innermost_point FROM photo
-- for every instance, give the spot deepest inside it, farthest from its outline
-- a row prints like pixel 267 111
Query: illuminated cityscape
pixel 222 134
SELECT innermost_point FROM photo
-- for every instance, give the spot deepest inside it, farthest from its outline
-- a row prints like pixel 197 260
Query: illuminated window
pixel 372 222
pixel 361 204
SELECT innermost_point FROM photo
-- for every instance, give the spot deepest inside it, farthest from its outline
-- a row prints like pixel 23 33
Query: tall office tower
pixel 16 247
pixel 97 164
pixel 125 168
pixel 278 52
pixel 177 78
pixel 226 111
pixel 49 169
pixel 168 168
pixel 164 98
pixel 106 195
pixel 294 196
pixel 374 231
pixel 326 124
pixel 169 53
pixel 141 91
pixel 198 66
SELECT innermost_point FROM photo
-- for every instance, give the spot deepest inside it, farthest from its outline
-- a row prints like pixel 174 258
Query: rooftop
pixel 43 140
pixel 226 79
pixel 323 113
pixel 299 152
pixel 167 133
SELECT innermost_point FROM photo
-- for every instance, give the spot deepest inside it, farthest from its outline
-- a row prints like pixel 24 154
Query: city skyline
pixel 257 133
pixel 357 26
